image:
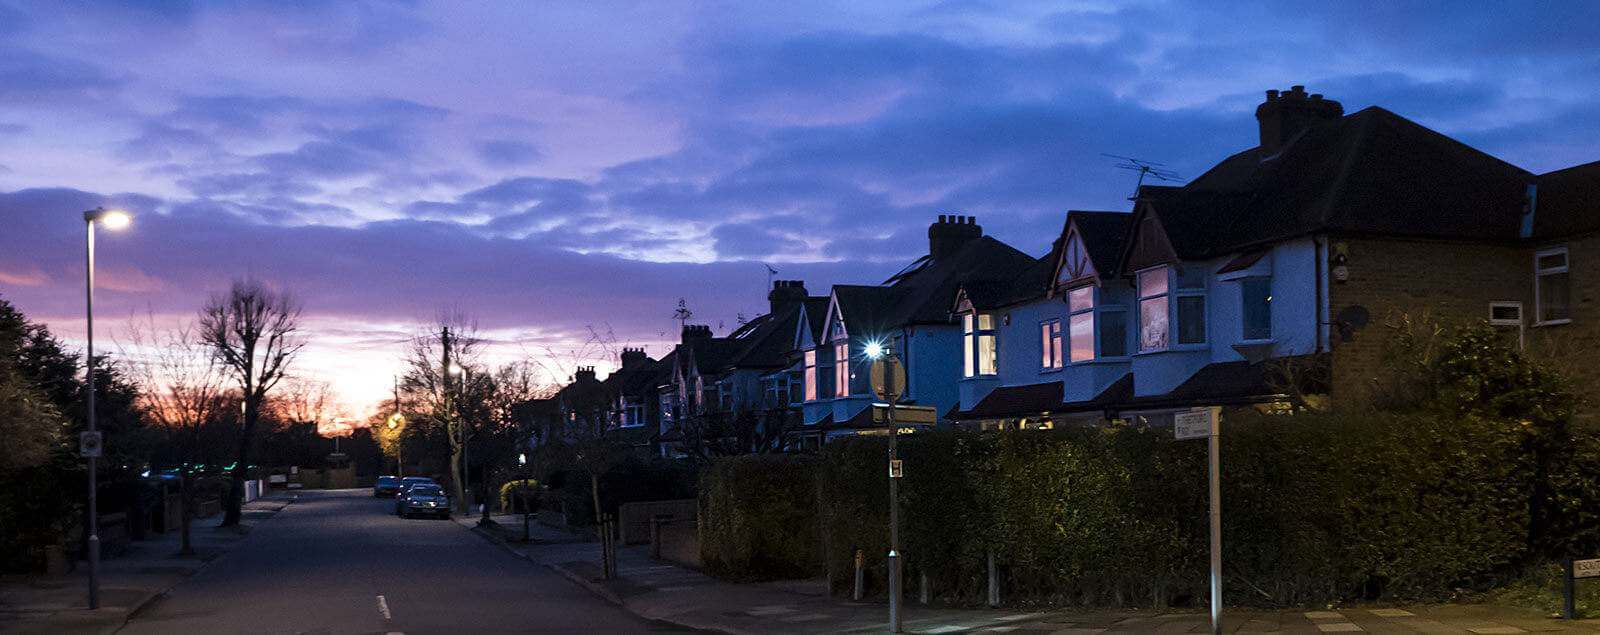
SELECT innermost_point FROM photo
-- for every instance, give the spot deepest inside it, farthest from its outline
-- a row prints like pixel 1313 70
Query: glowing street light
pixel 89 444
pixel 874 350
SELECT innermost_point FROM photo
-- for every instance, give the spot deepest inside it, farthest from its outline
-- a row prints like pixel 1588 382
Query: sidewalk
pixel 670 593
pixel 41 604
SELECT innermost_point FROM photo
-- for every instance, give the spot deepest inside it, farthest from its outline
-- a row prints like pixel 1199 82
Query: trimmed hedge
pixel 757 517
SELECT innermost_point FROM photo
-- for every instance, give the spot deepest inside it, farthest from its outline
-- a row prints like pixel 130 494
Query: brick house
pixel 1298 249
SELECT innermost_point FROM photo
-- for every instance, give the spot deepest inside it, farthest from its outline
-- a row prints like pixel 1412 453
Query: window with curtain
pixel 1080 302
pixel 811 375
pixel 1552 293
pixel 1050 344
pixel 978 344
pixel 841 369
pixel 1256 296
pixel 1153 298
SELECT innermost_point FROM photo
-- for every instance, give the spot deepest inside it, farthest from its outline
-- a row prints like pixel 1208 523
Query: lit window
pixel 1080 302
pixel 1256 296
pixel 1153 309
pixel 978 344
pixel 811 375
pixel 1191 305
pixel 1050 344
pixel 1552 293
pixel 841 369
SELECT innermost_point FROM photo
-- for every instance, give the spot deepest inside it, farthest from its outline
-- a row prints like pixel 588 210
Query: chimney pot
pixel 1272 94
pixel 1282 118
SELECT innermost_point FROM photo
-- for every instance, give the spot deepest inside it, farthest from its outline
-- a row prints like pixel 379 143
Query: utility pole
pixel 888 382
pixel 449 421
pixel 399 440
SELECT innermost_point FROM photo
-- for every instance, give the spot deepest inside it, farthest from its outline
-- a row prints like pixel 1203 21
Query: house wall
pixel 1392 278
pixel 933 365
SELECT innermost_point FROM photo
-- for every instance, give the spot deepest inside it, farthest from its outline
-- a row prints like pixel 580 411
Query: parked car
pixel 423 499
pixel 386 486
pixel 411 481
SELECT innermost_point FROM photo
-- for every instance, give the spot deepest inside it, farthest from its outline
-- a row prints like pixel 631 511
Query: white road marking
pixel 383 607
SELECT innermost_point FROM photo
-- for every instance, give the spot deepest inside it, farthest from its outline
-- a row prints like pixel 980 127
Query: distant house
pixel 1263 282
pixel 910 313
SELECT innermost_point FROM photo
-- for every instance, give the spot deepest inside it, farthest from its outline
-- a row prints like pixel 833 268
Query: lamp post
pixel 888 381
pixel 90 445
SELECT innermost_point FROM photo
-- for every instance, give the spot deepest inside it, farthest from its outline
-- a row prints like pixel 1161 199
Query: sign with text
pixel 1586 568
pixel 905 414
pixel 1194 424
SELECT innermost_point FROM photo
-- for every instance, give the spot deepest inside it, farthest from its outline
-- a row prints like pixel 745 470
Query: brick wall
pixel 1453 282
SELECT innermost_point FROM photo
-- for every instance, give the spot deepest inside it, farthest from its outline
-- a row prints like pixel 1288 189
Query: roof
pixel 769 339
pixel 1371 172
pixel 929 291
pixel 1568 202
pixel 1011 401
pixel 1103 233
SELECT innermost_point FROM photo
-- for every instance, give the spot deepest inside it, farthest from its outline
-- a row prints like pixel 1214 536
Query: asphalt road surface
pixel 341 562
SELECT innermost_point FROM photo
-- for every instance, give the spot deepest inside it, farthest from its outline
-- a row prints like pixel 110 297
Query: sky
pixel 557 171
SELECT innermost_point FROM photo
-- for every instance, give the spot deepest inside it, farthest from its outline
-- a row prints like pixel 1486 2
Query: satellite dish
pixel 1351 319
pixel 1355 316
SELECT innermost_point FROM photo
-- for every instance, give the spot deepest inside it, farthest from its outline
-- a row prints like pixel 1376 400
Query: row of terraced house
pixel 1264 283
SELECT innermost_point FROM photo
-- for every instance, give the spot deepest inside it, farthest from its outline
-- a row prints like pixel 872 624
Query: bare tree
pixel 305 401
pixel 434 387
pixel 252 331
pixel 184 387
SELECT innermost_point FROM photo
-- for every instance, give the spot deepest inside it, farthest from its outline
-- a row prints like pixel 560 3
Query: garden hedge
pixel 1317 507
pixel 757 517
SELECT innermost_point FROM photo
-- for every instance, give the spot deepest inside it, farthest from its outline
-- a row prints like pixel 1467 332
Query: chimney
pixel 633 357
pixel 693 332
pixel 1284 115
pixel 950 233
pixel 585 374
pixel 785 294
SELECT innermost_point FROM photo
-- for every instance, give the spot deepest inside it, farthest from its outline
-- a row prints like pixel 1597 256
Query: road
pixel 341 562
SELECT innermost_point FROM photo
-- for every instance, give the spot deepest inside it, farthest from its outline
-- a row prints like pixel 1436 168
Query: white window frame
pixel 972 337
pixel 1052 348
pixel 1493 321
pixel 1094 324
pixel 1141 298
pixel 1538 301
pixel 841 368
pixel 811 391
pixel 1174 286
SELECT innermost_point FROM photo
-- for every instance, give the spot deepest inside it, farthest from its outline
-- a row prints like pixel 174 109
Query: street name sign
pixel 905 414
pixel 1194 424
pixel 1586 568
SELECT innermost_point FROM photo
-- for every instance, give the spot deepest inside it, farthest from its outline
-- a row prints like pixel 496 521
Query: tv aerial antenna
pixel 1157 171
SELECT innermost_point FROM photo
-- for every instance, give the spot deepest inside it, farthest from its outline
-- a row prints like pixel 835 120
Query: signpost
pixel 1203 423
pixel 888 382
pixel 1575 570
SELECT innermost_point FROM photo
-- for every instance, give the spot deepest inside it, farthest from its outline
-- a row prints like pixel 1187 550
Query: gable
pixel 802 331
pixel 1074 264
pixel 833 327
pixel 1150 245
pixel 963 303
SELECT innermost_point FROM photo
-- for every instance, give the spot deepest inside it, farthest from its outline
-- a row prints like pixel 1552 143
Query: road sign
pixel 895 469
pixel 89 444
pixel 1194 424
pixel 1586 568
pixel 888 377
pixel 905 414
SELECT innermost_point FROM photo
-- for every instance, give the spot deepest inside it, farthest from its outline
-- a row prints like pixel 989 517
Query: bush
pixel 520 496
pixel 757 518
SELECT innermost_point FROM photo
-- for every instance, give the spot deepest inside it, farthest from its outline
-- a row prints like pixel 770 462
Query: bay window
pixel 811 375
pixel 1256 297
pixel 1552 290
pixel 1153 298
pixel 841 369
pixel 1050 344
pixel 978 344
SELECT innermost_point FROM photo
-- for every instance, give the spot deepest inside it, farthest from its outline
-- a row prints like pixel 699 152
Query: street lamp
pixel 90 444
pixel 888 382
pixel 395 421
